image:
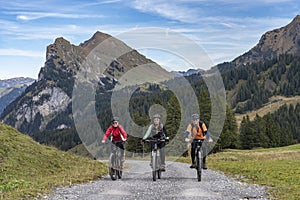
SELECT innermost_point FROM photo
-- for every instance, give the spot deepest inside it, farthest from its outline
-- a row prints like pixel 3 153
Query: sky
pixel 224 29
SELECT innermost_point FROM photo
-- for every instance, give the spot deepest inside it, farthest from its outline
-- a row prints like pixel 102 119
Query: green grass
pixel 277 168
pixel 29 170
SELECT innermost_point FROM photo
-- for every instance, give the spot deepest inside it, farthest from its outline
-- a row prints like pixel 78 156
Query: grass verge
pixel 30 170
pixel 277 168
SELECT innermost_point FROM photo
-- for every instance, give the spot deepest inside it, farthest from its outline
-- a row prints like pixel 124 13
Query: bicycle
pixel 199 157
pixel 155 157
pixel 115 163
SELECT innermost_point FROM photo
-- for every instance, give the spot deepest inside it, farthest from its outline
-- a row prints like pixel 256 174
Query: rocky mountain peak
pixel 284 40
pixel 97 38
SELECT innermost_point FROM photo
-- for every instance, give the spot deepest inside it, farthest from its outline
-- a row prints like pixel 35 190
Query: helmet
pixel 195 116
pixel 115 119
pixel 156 116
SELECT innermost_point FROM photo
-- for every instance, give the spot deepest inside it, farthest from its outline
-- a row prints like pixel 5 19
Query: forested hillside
pixel 272 130
pixel 250 87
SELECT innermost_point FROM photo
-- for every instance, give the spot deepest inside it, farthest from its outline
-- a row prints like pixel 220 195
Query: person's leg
pixel 121 146
pixel 161 147
pixel 193 148
pixel 204 150
pixel 151 148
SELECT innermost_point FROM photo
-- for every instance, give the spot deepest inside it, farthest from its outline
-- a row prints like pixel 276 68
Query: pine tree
pixel 272 131
pixel 229 136
pixel 247 134
pixel 175 132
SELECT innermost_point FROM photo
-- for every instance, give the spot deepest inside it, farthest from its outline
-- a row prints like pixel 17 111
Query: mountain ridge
pixel 283 40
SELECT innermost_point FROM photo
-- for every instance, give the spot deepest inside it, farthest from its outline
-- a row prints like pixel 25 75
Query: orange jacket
pixel 196 131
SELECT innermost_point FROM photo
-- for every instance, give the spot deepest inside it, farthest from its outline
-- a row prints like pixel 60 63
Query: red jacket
pixel 116 133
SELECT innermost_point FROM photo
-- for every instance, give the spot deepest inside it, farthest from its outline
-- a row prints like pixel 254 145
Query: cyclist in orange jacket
pixel 196 132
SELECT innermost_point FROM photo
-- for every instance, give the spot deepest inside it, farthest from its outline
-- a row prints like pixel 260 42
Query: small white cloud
pixel 27 16
pixel 18 52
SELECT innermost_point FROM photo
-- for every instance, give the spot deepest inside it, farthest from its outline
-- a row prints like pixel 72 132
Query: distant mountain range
pixel 12 88
pixel 186 73
pixel 7 83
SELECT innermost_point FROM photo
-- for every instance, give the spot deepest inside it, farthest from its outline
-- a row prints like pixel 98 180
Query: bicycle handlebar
pixel 198 140
pixel 156 139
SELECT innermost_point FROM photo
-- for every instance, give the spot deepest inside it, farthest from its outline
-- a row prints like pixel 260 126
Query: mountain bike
pixel 199 157
pixel 115 163
pixel 155 157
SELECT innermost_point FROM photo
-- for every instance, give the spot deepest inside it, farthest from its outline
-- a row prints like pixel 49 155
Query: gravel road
pixel 178 182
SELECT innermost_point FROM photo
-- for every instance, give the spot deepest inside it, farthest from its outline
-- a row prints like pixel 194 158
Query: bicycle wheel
pixel 154 162
pixel 119 172
pixel 199 165
pixel 158 173
pixel 158 170
pixel 112 168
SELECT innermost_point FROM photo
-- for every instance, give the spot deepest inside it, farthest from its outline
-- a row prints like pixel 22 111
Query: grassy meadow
pixel 29 170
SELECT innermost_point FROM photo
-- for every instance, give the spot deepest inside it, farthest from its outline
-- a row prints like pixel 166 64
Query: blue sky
pixel 225 29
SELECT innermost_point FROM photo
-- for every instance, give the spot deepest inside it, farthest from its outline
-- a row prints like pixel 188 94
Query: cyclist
pixel 194 131
pixel 119 136
pixel 157 130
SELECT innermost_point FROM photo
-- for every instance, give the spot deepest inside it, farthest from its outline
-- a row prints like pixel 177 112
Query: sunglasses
pixel 115 122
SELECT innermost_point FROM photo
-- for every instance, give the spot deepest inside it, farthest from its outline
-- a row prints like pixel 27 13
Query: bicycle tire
pixel 154 162
pixel 119 164
pixel 112 168
pixel 158 173
pixel 158 167
pixel 199 165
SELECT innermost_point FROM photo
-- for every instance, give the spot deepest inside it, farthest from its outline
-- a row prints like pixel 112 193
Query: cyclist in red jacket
pixel 119 135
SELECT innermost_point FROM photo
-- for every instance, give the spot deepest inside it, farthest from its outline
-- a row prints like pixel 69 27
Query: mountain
pixel 7 83
pixel 284 40
pixel 46 105
pixel 189 72
pixel 10 89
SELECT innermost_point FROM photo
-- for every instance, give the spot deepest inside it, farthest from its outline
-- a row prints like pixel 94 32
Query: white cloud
pixel 18 52
pixel 169 10
pixel 27 16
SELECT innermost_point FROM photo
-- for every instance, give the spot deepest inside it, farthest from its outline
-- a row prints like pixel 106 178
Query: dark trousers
pixel 161 149
pixel 193 153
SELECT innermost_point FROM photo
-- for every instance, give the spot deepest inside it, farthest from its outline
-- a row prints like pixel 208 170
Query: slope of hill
pixel 274 104
pixel 29 169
